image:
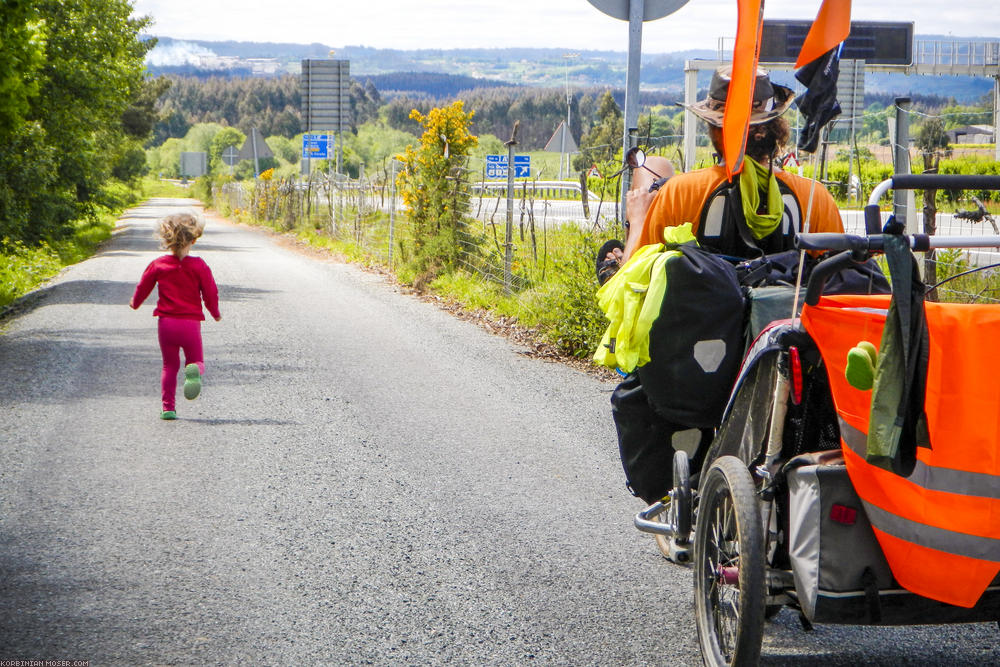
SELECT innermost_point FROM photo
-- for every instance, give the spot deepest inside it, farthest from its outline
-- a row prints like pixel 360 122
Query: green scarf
pixel 753 179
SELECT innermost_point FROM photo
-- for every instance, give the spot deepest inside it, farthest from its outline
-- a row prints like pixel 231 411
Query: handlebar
pixel 935 182
pixel 861 245
pixel 856 249
pixel 873 218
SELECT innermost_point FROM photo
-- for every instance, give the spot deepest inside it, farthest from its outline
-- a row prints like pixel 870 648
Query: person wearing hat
pixel 772 200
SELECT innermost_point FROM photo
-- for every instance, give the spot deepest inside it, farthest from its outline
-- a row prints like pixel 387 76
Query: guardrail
pixel 538 189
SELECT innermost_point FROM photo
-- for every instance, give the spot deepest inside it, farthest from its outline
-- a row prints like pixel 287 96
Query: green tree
pixel 165 159
pixel 287 149
pixel 376 141
pixel 23 35
pixel 434 186
pixel 61 127
pixel 932 142
pixel 875 122
pixel 199 137
pixel 601 142
pixel 223 139
pixel 960 116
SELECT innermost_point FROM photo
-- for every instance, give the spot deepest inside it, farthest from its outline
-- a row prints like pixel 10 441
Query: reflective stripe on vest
pixel 939 526
pixel 948 480
pixel 939 539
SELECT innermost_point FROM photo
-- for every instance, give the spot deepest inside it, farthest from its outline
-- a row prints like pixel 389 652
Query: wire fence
pixel 368 213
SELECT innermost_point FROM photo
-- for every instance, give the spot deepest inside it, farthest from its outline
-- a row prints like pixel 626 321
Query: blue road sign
pixel 496 166
pixel 315 146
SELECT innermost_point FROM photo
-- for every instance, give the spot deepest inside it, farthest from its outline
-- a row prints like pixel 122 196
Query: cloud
pixel 177 54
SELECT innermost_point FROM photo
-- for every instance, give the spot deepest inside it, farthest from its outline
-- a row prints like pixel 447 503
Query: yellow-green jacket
pixel 631 301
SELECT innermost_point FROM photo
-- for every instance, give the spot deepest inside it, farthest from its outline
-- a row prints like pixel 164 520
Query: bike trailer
pixel 937 515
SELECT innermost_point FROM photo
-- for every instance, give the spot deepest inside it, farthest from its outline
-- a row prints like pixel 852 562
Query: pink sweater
pixel 182 285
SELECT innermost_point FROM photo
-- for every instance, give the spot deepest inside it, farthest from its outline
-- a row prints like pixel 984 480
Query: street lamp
pixel 562 149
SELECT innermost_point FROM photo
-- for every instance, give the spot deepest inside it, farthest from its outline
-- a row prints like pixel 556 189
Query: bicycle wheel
pixel 729 566
pixel 679 513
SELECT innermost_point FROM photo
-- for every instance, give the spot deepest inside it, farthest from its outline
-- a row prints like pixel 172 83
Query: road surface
pixel 364 480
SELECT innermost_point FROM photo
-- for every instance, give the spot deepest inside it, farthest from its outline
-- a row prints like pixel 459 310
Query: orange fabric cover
pixel 831 27
pixel 739 97
pixel 963 414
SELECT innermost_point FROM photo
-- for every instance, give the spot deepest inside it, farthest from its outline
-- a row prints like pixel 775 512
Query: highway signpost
pixel 635 12
pixel 230 155
pixel 193 164
pixel 315 146
pixel 326 104
pixel 496 166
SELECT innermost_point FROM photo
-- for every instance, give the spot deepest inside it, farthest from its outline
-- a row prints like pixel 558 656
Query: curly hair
pixel 763 141
pixel 179 230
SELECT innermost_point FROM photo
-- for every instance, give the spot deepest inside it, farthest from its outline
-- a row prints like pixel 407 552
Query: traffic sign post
pixel 326 103
pixel 635 12
pixel 230 155
pixel 496 166
pixel 315 146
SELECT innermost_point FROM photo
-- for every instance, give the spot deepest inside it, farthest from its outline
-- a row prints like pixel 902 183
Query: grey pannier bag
pixel 836 560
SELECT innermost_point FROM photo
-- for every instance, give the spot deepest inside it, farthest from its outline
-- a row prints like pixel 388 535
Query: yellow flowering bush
pixel 433 183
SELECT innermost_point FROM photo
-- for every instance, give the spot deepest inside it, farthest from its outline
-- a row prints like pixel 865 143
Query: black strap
pixel 735 238
pixel 872 600
pixel 735 204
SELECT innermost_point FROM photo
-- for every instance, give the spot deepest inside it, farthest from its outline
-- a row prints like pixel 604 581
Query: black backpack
pixel 723 227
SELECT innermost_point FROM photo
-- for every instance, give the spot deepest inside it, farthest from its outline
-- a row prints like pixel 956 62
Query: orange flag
pixel 831 27
pixel 739 99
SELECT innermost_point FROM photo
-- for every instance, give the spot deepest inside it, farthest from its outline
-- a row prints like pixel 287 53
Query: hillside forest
pixel 193 110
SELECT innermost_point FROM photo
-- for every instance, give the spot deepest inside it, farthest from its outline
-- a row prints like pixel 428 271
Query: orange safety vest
pixel 940 526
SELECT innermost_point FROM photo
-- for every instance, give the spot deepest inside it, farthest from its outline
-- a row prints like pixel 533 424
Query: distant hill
pixel 440 73
pixel 430 84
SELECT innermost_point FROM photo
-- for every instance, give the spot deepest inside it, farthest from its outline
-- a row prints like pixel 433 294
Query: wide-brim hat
pixel 770 100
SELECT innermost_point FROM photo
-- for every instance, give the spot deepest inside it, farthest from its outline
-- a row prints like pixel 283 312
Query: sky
pixel 568 24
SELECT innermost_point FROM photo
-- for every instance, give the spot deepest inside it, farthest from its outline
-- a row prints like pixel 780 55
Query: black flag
pixel 819 103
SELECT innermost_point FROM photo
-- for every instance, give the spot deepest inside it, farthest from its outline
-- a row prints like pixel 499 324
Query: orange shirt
pixel 682 198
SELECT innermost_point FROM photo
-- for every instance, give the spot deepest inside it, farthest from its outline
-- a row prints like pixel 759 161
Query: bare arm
pixel 639 198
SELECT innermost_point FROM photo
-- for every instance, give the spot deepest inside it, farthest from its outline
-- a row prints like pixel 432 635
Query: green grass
pixel 154 187
pixel 24 267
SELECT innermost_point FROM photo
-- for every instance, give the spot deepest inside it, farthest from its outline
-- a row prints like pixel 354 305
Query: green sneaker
pixel 192 381
pixel 168 414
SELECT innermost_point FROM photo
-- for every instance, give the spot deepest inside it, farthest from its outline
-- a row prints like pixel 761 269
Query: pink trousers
pixel 176 334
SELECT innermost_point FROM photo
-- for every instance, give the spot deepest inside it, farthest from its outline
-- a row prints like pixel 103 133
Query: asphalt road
pixel 364 480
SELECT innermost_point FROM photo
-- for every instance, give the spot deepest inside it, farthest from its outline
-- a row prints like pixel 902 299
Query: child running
pixel 183 280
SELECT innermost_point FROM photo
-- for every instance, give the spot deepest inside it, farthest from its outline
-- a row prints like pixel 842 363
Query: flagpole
pixel 802 253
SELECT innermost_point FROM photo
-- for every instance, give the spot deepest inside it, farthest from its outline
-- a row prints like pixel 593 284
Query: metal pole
pixel 850 145
pixel 901 155
pixel 309 112
pixel 636 10
pixel 509 236
pixel 392 209
pixel 562 136
pixel 566 130
pixel 568 170
pixel 340 147
pixel 996 118
pixel 690 120
pixel 253 143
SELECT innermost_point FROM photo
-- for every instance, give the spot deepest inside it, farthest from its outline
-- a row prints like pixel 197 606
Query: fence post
pixel 901 156
pixel 509 243
pixel 392 208
pixel 996 118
